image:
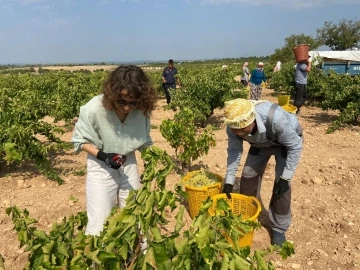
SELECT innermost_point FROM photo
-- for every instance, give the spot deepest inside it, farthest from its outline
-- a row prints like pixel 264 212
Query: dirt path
pixel 326 207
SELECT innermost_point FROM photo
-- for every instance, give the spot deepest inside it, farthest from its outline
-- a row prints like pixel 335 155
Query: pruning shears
pixel 119 159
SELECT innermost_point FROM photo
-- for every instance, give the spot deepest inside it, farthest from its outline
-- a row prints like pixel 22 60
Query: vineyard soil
pixel 326 206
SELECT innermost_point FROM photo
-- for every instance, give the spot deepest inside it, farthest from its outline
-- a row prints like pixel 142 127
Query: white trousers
pixel 107 187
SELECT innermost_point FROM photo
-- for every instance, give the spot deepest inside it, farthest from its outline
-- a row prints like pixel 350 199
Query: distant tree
pixel 42 70
pixel 342 36
pixel 286 54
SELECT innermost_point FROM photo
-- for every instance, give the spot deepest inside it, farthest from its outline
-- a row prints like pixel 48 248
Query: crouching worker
pixel 271 131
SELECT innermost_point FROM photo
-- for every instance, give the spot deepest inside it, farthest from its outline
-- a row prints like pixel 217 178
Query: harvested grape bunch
pixel 202 178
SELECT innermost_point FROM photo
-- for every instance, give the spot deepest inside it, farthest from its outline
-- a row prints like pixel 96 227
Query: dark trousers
pixel 166 87
pixel 300 95
pixel 251 178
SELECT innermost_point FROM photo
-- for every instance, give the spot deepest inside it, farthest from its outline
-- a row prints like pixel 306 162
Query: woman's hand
pixel 113 160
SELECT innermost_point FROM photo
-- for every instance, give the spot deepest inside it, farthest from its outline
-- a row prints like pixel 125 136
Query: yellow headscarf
pixel 239 113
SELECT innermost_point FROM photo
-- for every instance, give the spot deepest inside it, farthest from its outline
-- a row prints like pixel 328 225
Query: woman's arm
pixel 90 149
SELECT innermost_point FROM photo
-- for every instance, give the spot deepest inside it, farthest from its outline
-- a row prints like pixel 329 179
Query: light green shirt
pixel 103 129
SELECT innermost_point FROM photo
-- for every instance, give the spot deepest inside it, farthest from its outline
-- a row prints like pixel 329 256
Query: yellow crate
pixel 197 195
pixel 283 100
pixel 247 206
pixel 289 108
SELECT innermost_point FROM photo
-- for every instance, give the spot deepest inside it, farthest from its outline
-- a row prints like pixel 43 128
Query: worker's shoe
pixel 277 238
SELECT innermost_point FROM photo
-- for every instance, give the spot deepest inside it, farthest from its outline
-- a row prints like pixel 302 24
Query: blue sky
pixel 73 31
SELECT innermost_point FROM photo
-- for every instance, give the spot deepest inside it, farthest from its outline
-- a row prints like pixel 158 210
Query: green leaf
pixel 179 219
pixel 208 254
pixel 225 265
pixel 242 264
pixel 47 249
pixel 93 256
pixel 23 236
pixel 53 259
pixel 74 199
pixel 62 249
pixel 40 234
pixel 110 247
pixel 222 245
pixel 180 244
pixel 287 249
pixel 123 251
pixel 222 205
pixel 76 259
pixel 103 256
pixel 261 264
pixel 11 153
pixel 150 259
pixel 157 238
pixel 9 210
pixel 162 259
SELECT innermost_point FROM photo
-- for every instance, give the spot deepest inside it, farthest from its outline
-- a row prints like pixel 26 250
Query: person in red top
pixel 169 78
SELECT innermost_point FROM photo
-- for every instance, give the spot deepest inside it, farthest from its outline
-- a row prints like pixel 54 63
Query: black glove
pixel 227 189
pixel 112 160
pixel 281 187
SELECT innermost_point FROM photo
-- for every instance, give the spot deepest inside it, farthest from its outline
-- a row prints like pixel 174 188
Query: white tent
pixel 337 55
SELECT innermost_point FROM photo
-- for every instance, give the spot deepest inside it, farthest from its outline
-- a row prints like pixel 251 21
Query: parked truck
pixel 342 62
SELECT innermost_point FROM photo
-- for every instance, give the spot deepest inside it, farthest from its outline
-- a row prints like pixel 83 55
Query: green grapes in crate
pixel 202 178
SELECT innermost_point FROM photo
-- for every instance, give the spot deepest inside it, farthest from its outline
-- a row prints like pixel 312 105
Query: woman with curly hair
pixel 110 128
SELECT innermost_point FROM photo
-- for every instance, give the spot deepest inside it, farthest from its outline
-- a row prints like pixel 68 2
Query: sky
pixel 79 31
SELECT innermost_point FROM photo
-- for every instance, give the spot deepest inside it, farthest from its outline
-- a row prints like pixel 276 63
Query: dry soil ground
pixel 326 207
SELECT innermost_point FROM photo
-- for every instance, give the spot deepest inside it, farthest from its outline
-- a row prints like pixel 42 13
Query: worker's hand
pixel 227 189
pixel 281 187
pixel 113 160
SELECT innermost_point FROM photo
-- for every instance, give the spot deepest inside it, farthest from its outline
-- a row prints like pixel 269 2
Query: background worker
pixel 169 78
pixel 245 74
pixel 302 70
pixel 271 131
pixel 257 77
pixel 277 66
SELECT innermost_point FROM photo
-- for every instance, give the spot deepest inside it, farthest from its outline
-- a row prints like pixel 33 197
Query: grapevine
pixel 121 244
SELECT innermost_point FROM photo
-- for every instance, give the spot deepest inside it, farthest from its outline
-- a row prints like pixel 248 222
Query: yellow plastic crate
pixel 247 206
pixel 283 100
pixel 197 195
pixel 289 108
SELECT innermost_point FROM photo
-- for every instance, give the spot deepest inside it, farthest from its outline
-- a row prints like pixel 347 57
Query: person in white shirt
pixel 111 127
pixel 245 74
pixel 277 66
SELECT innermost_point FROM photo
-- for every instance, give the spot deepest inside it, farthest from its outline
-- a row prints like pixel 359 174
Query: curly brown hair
pixel 134 79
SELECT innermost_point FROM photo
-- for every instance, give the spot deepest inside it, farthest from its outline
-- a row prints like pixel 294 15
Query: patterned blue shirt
pixel 257 76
